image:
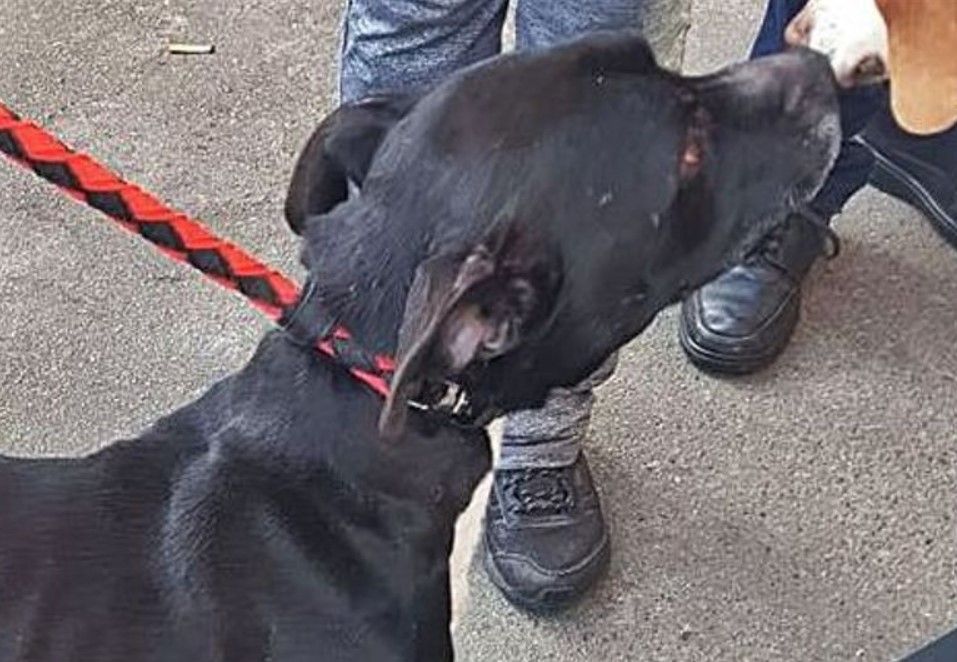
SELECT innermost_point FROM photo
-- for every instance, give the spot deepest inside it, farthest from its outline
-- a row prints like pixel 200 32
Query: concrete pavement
pixel 804 514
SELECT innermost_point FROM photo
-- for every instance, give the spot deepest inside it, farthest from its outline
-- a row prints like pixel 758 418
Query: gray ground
pixel 803 514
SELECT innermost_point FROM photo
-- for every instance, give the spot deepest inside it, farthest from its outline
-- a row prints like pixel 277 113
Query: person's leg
pixel 742 320
pixel 665 23
pixel 920 170
pixel 400 45
pixel 545 538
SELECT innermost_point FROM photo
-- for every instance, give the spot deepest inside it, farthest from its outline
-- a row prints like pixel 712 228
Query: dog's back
pixel 200 541
pixel 78 535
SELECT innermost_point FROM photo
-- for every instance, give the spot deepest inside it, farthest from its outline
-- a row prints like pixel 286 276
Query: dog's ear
pixel 465 308
pixel 341 149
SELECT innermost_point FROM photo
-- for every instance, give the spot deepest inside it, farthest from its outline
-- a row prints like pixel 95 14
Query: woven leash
pixel 177 236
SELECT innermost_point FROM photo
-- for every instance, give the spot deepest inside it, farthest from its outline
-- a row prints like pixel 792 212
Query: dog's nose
pixel 788 94
pixel 797 85
pixel 804 83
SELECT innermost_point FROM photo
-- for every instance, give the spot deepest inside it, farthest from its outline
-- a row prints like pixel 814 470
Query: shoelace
pixel 824 227
pixel 537 491
pixel 770 247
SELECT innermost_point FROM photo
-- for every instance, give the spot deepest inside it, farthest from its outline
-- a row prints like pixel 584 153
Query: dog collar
pixel 310 324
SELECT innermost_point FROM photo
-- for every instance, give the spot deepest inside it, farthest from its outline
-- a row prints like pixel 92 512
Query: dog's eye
pixel 690 160
pixel 695 145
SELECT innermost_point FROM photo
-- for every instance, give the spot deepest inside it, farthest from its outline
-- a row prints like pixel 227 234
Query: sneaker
pixel 545 537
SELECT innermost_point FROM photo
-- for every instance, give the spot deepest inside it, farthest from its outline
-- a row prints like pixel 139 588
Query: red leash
pixel 176 235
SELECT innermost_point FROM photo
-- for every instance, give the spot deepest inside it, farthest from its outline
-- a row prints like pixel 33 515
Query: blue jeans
pixel 391 45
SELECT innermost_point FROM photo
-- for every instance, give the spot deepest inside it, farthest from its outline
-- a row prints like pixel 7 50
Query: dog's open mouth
pixel 454 402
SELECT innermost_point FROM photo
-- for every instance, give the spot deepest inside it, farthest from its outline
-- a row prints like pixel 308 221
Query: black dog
pixel 515 226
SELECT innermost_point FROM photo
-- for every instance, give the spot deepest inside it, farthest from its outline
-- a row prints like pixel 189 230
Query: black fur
pixel 514 226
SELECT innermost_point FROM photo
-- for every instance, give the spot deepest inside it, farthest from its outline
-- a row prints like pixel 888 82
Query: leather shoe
pixel 740 321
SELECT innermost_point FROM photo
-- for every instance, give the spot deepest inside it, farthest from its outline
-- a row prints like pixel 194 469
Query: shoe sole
pixel 894 180
pixel 549 600
pixel 716 363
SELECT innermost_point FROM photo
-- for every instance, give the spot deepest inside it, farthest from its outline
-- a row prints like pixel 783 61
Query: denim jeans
pixel 390 45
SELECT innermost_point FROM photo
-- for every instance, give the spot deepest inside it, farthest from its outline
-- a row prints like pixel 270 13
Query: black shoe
pixel 740 321
pixel 920 170
pixel 545 538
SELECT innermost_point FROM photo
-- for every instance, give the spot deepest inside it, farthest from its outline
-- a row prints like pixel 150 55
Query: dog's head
pixel 851 33
pixel 536 211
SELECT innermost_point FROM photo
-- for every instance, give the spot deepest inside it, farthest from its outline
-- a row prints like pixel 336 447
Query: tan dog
pixel 911 42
